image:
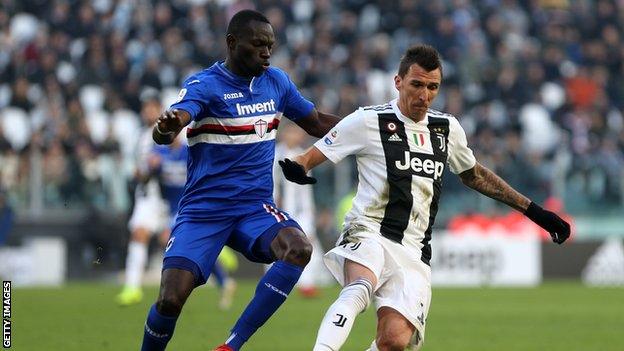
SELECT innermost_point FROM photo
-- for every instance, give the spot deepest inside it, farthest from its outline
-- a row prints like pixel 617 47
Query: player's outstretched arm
pixel 296 170
pixel 169 125
pixel 318 123
pixel 488 183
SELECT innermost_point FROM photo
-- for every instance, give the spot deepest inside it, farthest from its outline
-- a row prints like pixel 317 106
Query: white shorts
pixel 151 213
pixel 403 280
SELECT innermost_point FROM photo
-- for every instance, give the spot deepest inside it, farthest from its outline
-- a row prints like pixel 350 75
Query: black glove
pixel 558 229
pixel 295 172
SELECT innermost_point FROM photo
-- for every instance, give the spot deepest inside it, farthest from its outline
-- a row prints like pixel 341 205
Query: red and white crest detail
pixel 261 127
pixel 391 126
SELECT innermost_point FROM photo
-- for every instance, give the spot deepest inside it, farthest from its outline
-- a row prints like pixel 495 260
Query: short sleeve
pixel 461 157
pixel 190 98
pixel 296 106
pixel 348 137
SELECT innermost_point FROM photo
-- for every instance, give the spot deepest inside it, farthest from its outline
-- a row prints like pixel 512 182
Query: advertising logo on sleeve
pixel 329 139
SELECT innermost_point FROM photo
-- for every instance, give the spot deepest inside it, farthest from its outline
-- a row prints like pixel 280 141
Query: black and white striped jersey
pixel 400 164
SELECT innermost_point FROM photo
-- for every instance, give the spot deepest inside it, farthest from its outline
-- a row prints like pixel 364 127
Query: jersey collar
pixel 226 72
pixel 404 118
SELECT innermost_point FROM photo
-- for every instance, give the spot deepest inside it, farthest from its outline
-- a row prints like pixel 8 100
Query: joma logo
pixel 230 96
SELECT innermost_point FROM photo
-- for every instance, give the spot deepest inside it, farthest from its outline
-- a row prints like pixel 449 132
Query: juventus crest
pixel 442 140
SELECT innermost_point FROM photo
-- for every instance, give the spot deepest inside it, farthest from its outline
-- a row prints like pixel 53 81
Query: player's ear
pixel 230 40
pixel 397 82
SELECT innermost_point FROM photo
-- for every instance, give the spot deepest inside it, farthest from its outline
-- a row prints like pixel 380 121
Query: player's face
pixel 417 90
pixel 251 51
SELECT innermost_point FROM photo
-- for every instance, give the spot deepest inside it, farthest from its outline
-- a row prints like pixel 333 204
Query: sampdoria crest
pixel 261 128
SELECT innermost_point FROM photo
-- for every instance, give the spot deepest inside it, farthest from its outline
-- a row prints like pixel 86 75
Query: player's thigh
pixel 195 245
pixel 406 290
pixel 254 234
pixel 363 257
pixel 354 271
pixel 394 331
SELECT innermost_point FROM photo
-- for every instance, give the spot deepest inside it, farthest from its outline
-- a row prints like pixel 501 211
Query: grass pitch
pixel 555 316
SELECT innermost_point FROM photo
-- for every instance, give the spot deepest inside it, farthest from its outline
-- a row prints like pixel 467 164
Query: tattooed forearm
pixel 489 184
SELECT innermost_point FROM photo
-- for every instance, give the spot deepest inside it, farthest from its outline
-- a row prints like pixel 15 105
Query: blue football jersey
pixel 231 136
pixel 172 173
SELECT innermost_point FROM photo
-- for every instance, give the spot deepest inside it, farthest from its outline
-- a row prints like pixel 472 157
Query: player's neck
pixel 405 114
pixel 235 69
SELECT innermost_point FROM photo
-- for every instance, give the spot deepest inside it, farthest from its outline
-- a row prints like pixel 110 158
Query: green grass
pixel 556 316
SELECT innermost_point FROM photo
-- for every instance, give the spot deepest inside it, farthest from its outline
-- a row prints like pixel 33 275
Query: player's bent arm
pixel 311 158
pixel 169 125
pixel 489 184
pixel 318 123
pixel 486 182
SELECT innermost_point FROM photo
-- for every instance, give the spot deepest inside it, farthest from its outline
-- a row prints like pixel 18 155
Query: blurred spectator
pixel 6 217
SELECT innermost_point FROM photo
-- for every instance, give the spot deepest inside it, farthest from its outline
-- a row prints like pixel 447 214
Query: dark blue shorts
pixel 195 244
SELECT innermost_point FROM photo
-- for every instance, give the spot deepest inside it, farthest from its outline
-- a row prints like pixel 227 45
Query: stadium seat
pixel 38 118
pixel 126 130
pixel 168 96
pixel 16 127
pixel 91 98
pixel 539 133
pixel 98 124
pixel 553 95
pixel 380 86
pixel 5 95
pixel 23 27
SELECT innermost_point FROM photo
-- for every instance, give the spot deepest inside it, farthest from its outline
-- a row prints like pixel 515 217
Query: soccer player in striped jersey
pixel 232 110
pixel 150 214
pixel 402 149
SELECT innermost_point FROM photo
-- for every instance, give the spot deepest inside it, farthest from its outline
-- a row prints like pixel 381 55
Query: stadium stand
pixel 537 86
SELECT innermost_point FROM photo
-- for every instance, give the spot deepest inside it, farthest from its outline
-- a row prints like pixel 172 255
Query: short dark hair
pixel 240 21
pixel 426 56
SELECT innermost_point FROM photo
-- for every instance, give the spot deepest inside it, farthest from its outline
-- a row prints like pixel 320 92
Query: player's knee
pixel 388 344
pixel 299 251
pixel 393 340
pixel 169 304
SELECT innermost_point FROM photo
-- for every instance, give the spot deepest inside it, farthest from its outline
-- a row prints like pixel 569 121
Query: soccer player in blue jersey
pixel 232 110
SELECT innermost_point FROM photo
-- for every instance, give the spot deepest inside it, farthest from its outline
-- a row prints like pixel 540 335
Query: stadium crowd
pixel 537 85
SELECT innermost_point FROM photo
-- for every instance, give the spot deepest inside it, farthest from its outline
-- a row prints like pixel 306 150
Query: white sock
pixel 339 318
pixel 135 263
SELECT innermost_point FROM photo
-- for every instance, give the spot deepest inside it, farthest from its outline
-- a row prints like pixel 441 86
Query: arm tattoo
pixel 489 184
